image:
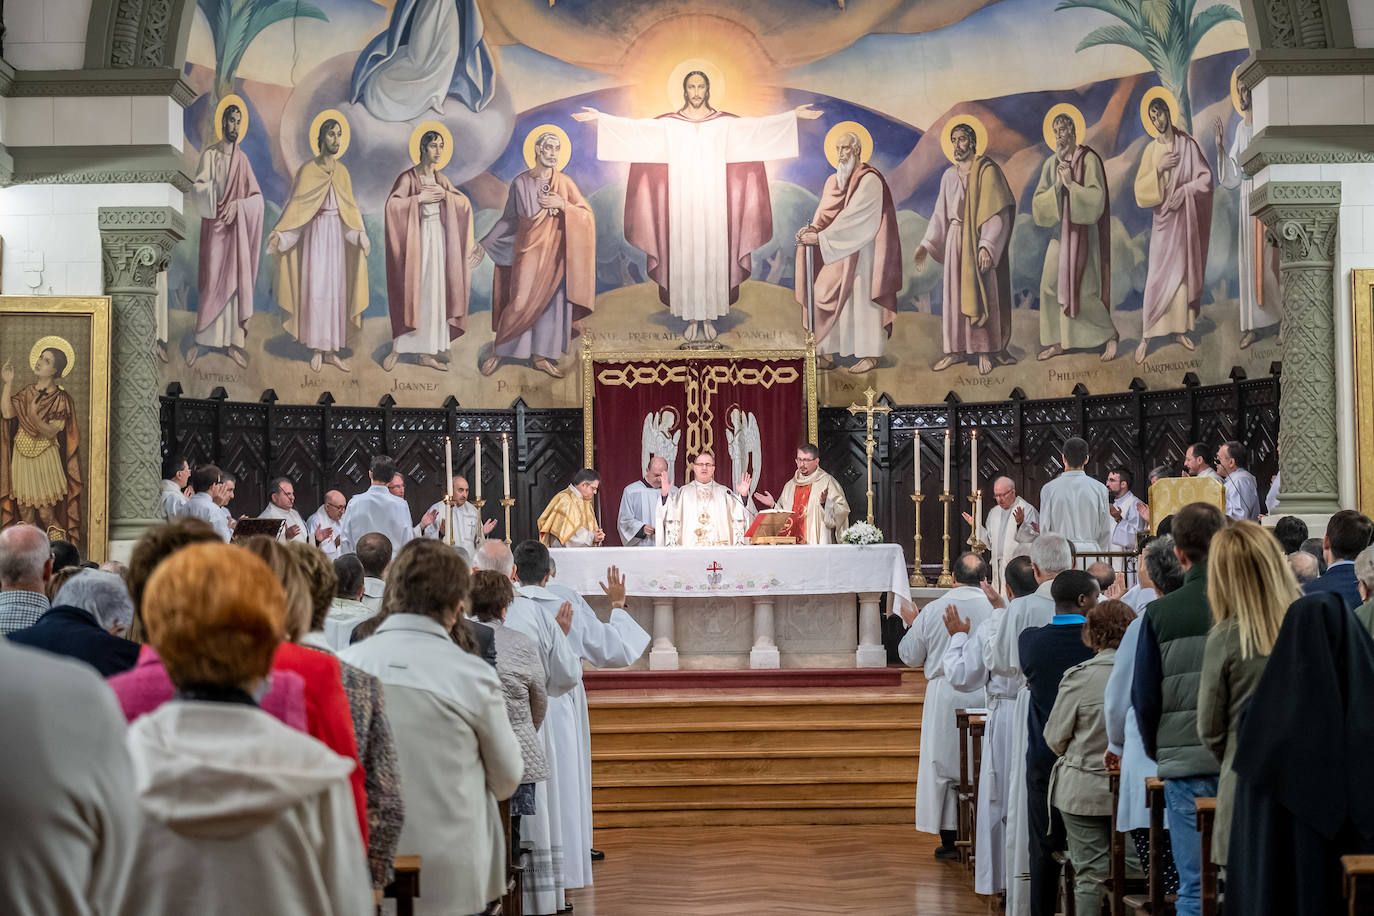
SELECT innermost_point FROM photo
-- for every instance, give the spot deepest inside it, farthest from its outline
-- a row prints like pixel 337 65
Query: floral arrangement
pixel 861 533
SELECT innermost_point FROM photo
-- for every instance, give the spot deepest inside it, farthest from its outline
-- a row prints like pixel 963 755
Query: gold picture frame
pixel 77 328
pixel 1362 325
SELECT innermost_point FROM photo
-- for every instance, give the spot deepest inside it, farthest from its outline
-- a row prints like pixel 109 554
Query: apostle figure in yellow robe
pixel 703 513
pixel 322 271
pixel 818 509
pixel 569 519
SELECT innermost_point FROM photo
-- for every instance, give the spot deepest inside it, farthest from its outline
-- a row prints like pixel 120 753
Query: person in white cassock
pixel 815 501
pixel 176 473
pixel 324 526
pixel 469 531
pixel 1075 505
pixel 612 644
pixel 1050 555
pixel 966 669
pixel 703 513
pixel 1197 462
pixel 924 646
pixel 544 885
pixel 378 509
pixel 208 484
pixel 1126 520
pixel 1009 531
pixel 282 505
pixel 639 505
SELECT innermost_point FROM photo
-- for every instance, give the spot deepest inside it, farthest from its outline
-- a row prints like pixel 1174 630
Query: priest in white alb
pixel 1075 505
pixel 1125 517
pixel 1009 530
pixel 569 520
pixel 815 502
pixel 703 513
pixel 378 509
pixel 924 646
pixel 282 505
pixel 639 505
pixel 469 531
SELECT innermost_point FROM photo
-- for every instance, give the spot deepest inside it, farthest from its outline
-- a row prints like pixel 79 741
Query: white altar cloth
pixel 811 589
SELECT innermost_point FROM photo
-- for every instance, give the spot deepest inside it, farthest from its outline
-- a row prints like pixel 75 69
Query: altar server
pixel 704 513
pixel 569 520
pixel 378 509
pixel 1075 505
pixel 1009 530
pixel 924 646
pixel 639 505
pixel 469 531
pixel 816 501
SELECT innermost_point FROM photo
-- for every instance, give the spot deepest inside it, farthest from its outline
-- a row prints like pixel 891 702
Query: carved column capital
pixel 135 246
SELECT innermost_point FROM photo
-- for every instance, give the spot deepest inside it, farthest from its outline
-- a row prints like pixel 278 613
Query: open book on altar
pixel 772 526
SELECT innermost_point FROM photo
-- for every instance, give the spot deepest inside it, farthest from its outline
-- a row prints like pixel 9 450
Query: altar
pixel 794 606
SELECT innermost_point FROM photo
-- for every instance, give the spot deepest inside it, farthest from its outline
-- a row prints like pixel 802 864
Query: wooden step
pixel 752 771
pixel 787 795
pixel 883 742
pixel 754 817
pixel 752 716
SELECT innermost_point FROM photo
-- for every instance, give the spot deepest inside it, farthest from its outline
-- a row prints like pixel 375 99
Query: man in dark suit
pixel 91 608
pixel 1347 533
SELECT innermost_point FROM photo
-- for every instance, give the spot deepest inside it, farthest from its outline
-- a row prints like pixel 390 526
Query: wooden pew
pixel 512 901
pixel 977 728
pixel 1118 884
pixel 1359 884
pixel 1154 902
pixel 405 887
pixel 1206 817
pixel 965 804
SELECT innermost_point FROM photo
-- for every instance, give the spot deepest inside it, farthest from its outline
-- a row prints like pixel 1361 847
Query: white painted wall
pixel 46 34
pixel 1362 21
pixel 91 121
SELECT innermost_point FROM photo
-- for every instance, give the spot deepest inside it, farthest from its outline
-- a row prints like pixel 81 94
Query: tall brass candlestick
pixel 507 502
pixel 918 579
pixel 975 502
pixel 946 579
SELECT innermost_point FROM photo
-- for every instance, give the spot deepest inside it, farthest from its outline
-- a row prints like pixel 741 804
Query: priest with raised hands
pixel 816 502
pixel 639 506
pixel 703 513
pixel 469 531
pixel 569 520
pixel 1009 531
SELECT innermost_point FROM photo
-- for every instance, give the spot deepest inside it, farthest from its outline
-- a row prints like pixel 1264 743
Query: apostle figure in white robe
pixel 639 505
pixel 1125 517
pixel 378 509
pixel 1258 262
pixel 857 263
pixel 716 196
pixel 226 193
pixel 469 531
pixel 966 669
pixel 1050 555
pixel 924 646
pixel 1009 531
pixel 818 511
pixel 1075 505
pixel 703 513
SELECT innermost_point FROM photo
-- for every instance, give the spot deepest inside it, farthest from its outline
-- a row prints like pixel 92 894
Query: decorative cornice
pixel 1295 145
pixel 1297 23
pixel 1301 219
pixel 6 166
pixel 1305 62
pixel 6 77
pixel 1296 194
pixel 159 81
pixel 99 165
pixel 138 34
pixel 141 219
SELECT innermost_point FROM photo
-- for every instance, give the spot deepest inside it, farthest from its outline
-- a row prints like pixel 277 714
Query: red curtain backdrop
pixel 705 402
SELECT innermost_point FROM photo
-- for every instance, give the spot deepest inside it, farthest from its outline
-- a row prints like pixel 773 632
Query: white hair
pixel 103 595
pixel 24 551
pixel 1051 553
pixel 495 555
pixel 547 135
pixel 1364 567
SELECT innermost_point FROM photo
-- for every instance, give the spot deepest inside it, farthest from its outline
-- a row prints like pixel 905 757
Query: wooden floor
pixel 760 871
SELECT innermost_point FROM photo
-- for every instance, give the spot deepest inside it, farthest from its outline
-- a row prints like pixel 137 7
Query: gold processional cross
pixel 868 410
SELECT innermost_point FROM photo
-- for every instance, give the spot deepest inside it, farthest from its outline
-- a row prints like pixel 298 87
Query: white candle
pixel 973 461
pixel 946 461
pixel 448 466
pixel 477 469
pixel 505 464
pixel 916 464
pixel 978 505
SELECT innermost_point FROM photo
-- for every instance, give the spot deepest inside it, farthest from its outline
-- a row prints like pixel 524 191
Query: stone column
pixel 136 245
pixel 870 653
pixel 764 653
pixel 663 654
pixel 1301 218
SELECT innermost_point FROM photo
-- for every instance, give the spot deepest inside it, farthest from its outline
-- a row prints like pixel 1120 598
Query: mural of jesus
pixel 705 169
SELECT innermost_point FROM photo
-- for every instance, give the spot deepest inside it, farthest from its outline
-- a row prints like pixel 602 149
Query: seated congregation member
pixel 1347 533
pixel 569 520
pixel 924 646
pixel 522 679
pixel 1249 586
pixel 81 624
pixel 1302 797
pixel 1046 653
pixel 239 813
pixel 68 800
pixel 1364 572
pixel 374 551
pixel 376 749
pixel 347 610
pixel 146 686
pixel 966 670
pixel 1076 733
pixel 25 570
pixel 457 750
pixel 208 484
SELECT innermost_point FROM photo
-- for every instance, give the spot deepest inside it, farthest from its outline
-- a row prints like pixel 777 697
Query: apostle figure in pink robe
pixel 1176 181
pixel 696 202
pixel 226 193
pixel 968 233
pixel 429 256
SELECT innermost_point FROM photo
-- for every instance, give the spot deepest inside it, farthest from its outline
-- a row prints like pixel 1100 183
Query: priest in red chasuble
pixel 816 501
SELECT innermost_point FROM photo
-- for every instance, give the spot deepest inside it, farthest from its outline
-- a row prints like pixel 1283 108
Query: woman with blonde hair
pixel 1249 586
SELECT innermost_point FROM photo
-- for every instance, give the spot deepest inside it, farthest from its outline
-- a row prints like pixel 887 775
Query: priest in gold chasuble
pixel 569 520
pixel 704 513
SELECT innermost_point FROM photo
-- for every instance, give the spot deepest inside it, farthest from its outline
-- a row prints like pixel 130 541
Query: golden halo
pixel 1063 108
pixel 55 343
pixel 235 99
pixel 423 128
pixel 980 134
pixel 564 148
pixel 714 77
pixel 832 137
pixel 1235 91
pixel 1158 92
pixel 345 134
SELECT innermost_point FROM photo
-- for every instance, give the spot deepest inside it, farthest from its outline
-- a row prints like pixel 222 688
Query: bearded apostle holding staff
pixel 815 500
pixel 569 520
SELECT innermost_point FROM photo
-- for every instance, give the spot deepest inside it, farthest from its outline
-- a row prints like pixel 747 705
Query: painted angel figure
pixel 745 447
pixel 660 439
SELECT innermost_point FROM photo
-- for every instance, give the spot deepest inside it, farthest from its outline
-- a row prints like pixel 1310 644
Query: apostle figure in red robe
pixel 696 202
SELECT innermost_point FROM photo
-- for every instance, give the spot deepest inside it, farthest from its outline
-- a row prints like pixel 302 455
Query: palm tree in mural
pixel 234 24
pixel 1164 32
